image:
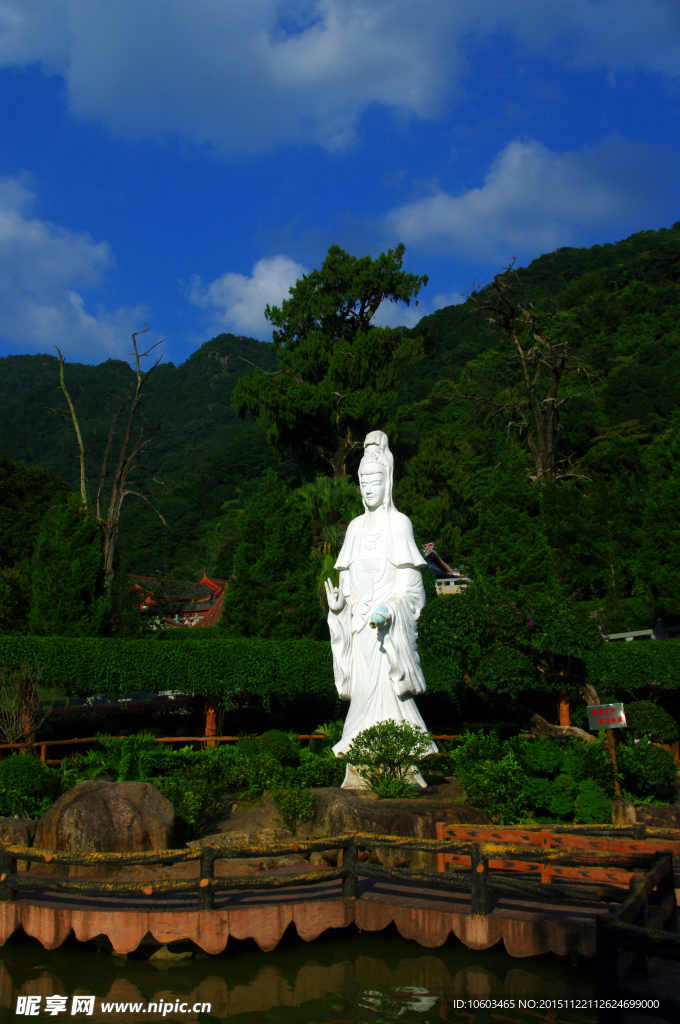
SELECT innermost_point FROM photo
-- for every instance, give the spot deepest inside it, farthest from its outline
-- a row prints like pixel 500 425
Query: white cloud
pixel 393 314
pixel 237 302
pixel 534 200
pixel 248 75
pixel 43 269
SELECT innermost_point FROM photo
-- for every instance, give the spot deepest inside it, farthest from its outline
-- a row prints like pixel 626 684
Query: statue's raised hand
pixel 334 596
pixel 381 617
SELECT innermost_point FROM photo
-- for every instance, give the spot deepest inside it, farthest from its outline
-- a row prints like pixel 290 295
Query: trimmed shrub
pixel 279 745
pixel 295 806
pixel 592 805
pixel 387 750
pixel 647 770
pixel 27 786
pixel 646 720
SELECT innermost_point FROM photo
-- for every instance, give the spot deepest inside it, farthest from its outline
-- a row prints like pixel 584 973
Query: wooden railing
pixel 646 924
pixel 622 840
pixel 477 880
pixel 204 740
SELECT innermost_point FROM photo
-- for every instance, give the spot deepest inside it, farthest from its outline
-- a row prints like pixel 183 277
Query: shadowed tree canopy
pixel 67 575
pixel 272 591
pixel 338 373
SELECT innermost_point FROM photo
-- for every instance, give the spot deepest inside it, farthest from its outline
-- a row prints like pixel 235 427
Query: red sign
pixel 606 716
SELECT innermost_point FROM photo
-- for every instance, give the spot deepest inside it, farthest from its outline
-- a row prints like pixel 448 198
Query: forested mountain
pixel 608 534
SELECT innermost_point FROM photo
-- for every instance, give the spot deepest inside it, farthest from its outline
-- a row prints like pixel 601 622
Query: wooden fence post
pixel 350 888
pixel 8 867
pixel 480 902
pixel 206 894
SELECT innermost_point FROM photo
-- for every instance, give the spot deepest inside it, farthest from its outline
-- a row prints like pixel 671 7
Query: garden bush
pixel 542 780
pixel 280 745
pixel 647 770
pixel 388 750
pixel 295 806
pixel 592 805
pixel 647 721
pixel 315 771
pixel 27 786
pixel 491 775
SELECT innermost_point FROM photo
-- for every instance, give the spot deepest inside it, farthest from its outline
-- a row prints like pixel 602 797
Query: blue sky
pixel 182 163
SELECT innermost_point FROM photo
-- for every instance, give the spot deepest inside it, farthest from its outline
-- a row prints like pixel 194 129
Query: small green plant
pixel 331 731
pixel 27 786
pixel 388 751
pixel 123 757
pixel 295 806
pixel 392 789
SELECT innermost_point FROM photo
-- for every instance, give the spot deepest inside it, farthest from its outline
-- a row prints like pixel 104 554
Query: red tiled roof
pixel 211 617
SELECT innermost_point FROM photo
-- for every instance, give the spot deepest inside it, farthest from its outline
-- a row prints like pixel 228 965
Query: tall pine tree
pixel 67 575
pixel 272 592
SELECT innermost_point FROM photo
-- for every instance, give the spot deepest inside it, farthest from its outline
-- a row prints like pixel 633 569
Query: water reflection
pixel 363 980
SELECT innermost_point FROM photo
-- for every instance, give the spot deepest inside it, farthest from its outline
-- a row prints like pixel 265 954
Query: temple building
pixel 184 604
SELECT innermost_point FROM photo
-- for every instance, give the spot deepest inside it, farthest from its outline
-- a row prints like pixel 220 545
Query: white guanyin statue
pixel 373 612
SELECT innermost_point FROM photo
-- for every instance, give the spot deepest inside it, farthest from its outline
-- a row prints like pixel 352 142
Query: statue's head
pixel 376 471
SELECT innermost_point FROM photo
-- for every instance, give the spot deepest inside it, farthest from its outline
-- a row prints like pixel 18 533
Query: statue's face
pixel 373 485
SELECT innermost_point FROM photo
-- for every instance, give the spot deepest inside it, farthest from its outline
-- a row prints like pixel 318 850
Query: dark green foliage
pixel 504 648
pixel 15 600
pixel 28 492
pixel 566 778
pixel 491 775
pixel 27 786
pixel 387 751
pixel 279 745
pixel 204 453
pixel 592 805
pixel 543 779
pixel 392 789
pixel 317 770
pixel 274 671
pixel 330 503
pixel 647 721
pixel 196 788
pixel 67 576
pixel 273 589
pixel 295 806
pixel 327 346
pixel 647 770
pixel 248 747
pixel 122 757
pixel 621 668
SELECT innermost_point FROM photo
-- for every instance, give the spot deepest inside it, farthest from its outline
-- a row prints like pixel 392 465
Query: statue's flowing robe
pixel 378 670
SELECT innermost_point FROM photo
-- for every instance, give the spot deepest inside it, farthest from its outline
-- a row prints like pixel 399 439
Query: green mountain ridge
pixel 623 300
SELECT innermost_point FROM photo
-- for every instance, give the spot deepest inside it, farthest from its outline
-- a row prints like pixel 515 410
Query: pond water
pixel 341 978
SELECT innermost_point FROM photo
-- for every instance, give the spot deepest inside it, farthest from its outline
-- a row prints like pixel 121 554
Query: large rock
pixel 17 831
pixel 105 817
pixel 663 816
pixel 343 810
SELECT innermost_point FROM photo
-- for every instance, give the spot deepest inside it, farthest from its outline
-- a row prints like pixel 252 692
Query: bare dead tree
pixel 107 516
pixel 21 714
pixel 540 342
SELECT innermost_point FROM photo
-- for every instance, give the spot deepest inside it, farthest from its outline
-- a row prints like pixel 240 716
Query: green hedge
pixel 281 668
pixel 626 668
